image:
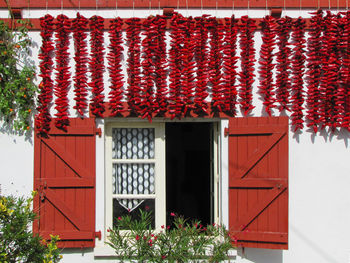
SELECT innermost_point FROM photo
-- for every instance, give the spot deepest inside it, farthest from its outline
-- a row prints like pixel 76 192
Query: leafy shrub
pixel 17 242
pixel 182 242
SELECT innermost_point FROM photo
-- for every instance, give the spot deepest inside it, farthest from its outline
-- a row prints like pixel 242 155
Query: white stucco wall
pixel 319 178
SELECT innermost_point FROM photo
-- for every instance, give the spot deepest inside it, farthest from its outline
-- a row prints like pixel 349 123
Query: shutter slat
pixel 258 181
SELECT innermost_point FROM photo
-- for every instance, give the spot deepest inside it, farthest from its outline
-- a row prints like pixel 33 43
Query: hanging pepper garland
pixel 97 65
pixel 43 118
pixel 215 64
pixel 266 88
pixel 188 70
pixel 62 71
pixel 175 65
pixel 346 73
pixel 330 71
pixel 201 58
pixel 149 47
pixel 115 66
pixel 314 70
pixel 342 45
pixel 283 84
pixel 247 75
pixel 160 61
pixel 133 37
pixel 80 27
pixel 229 65
pixel 298 60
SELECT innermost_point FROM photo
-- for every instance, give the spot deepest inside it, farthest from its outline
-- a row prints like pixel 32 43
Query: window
pixel 162 167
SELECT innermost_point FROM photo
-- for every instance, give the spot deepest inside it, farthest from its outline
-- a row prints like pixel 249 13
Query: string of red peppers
pixel 200 55
pixel 188 70
pixel 160 63
pixel 175 65
pixel 330 69
pixel 149 47
pixel 215 64
pixel 283 84
pixel 43 117
pixel 247 75
pixel 229 65
pixel 80 27
pixel 62 71
pixel 298 60
pixel 342 45
pixel 97 65
pixel 266 88
pixel 115 67
pixel 346 65
pixel 133 37
pixel 314 70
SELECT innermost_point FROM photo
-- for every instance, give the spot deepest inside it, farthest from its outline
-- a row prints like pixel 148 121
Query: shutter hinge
pixel 99 132
pixel 98 235
pixel 226 131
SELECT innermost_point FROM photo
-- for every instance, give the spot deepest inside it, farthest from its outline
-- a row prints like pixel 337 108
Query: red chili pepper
pixel 266 88
pixel 80 27
pixel 247 75
pixel 43 117
pixel 346 68
pixel 298 60
pixel 314 70
pixel 230 59
pixel 97 65
pixel 115 66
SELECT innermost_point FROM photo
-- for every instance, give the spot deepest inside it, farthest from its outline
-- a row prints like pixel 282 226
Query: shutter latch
pixel 99 132
pixel 98 235
pixel 226 131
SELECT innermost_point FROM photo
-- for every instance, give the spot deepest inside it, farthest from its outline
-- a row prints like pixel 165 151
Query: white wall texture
pixel 319 175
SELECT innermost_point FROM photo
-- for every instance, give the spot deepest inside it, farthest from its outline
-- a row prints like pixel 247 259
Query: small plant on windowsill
pixel 182 242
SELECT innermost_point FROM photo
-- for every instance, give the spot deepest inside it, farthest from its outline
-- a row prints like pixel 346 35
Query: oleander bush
pixel 183 241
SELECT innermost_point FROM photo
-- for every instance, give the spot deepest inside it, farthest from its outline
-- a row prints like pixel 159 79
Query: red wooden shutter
pixel 64 176
pixel 258 181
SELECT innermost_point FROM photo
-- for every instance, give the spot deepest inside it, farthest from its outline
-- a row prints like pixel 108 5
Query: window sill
pixel 106 251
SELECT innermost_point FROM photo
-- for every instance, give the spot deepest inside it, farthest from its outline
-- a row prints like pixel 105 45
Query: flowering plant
pixel 17 90
pixel 17 241
pixel 181 242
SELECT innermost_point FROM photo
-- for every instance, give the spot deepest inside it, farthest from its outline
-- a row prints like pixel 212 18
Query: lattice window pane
pixel 133 143
pixel 134 178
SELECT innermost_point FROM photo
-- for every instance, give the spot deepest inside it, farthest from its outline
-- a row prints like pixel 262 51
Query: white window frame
pixel 159 166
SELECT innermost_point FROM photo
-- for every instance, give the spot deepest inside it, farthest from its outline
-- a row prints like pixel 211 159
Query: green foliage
pixel 17 90
pixel 17 242
pixel 183 242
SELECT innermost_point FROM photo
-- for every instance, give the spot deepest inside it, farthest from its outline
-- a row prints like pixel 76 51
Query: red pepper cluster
pixel 283 83
pixel 330 62
pixel 201 58
pixel 266 88
pixel 314 70
pixel 79 27
pixel 43 118
pixel 175 65
pixel 63 26
pixel 133 37
pixel 247 75
pixel 97 65
pixel 346 72
pixel 160 64
pixel 298 60
pixel 229 65
pixel 115 66
pixel 215 64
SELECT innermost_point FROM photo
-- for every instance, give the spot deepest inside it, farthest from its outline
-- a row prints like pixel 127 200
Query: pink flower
pixel 137 237
pixel 108 230
pixel 168 227
pixel 152 235
pixel 163 256
pixel 162 226
pixel 147 207
pixel 155 238
pixel 150 244
pixel 172 214
pixel 180 226
pixel 119 218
